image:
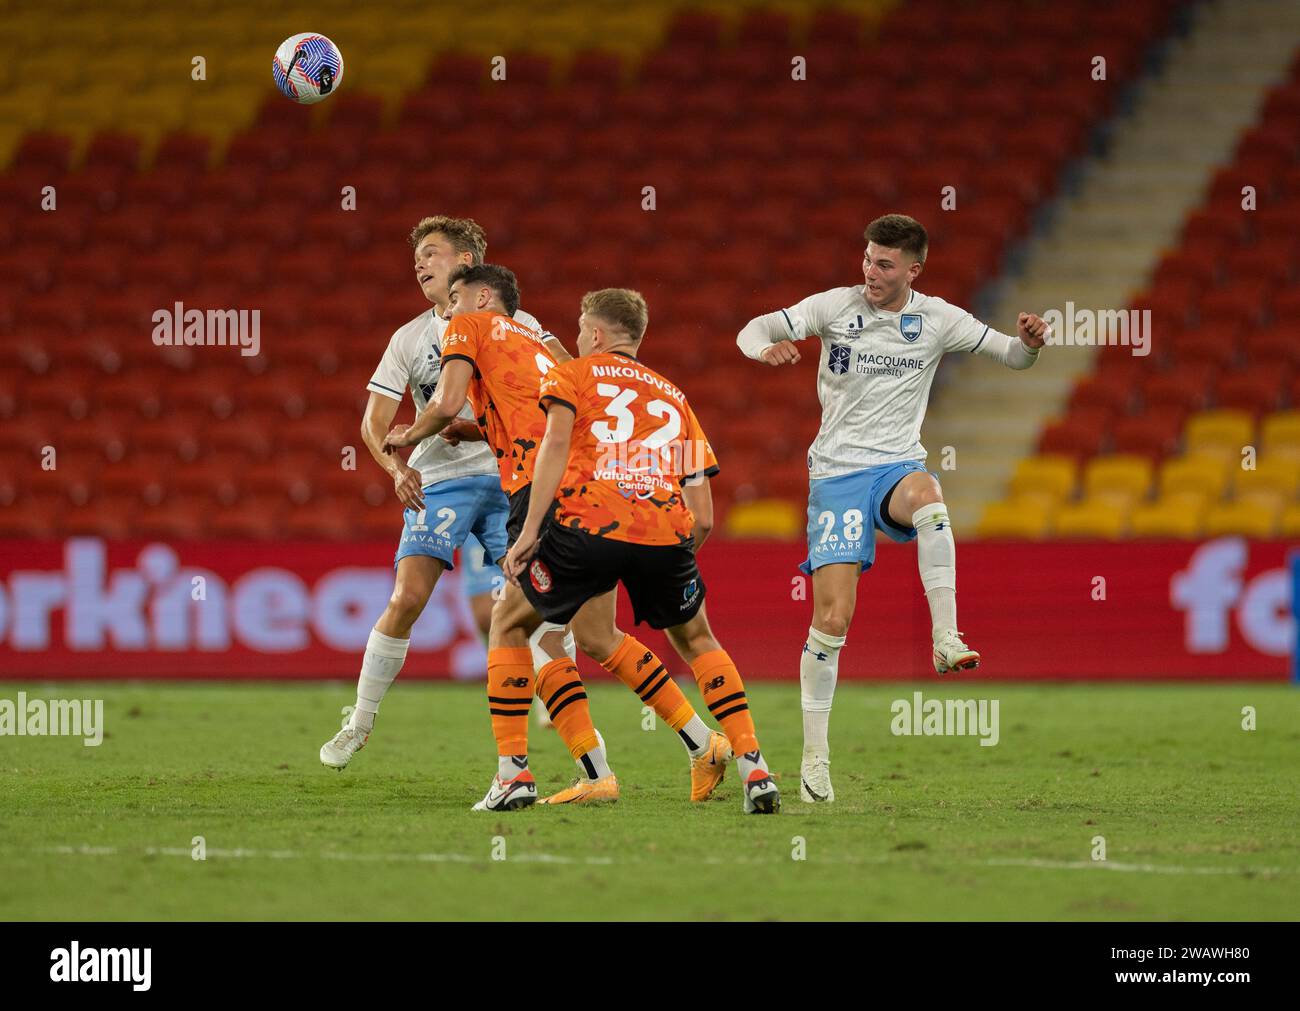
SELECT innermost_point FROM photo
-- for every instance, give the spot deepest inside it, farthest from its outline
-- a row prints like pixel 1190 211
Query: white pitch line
pixel 551 858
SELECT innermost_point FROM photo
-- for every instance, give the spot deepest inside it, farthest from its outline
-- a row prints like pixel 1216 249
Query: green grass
pixel 923 828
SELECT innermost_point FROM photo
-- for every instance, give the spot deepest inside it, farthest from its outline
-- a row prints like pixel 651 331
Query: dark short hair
pixel 491 275
pixel 898 231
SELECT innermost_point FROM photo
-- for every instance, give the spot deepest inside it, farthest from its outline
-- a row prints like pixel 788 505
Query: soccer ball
pixel 307 67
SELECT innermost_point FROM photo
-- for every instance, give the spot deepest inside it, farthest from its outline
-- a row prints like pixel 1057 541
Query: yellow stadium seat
pixel 1223 429
pixel 776 519
pixel 1250 518
pixel 1102 520
pixel 1289 522
pixel 1280 429
pixel 1051 475
pixel 1172 516
pixel 1277 477
pixel 1206 476
pixel 1120 476
pixel 1019 519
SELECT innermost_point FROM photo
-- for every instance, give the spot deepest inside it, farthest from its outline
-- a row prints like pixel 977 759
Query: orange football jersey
pixel 635 439
pixel 509 361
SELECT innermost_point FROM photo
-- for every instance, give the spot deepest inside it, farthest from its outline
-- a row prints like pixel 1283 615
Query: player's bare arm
pixel 380 411
pixel 698 497
pixel 447 400
pixel 552 458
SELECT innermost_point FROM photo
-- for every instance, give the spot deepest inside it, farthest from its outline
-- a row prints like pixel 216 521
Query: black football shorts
pixel 571 566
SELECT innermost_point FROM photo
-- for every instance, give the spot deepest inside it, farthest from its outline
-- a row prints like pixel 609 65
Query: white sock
pixel 510 766
pixel 695 735
pixel 819 667
pixel 748 762
pixel 384 658
pixel 936 557
pixel 594 765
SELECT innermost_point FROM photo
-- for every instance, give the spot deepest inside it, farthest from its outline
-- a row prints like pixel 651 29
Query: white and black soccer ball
pixel 307 68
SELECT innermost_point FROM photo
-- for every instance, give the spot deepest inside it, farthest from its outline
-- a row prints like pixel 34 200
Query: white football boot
pixel 510 794
pixel 815 778
pixel 339 749
pixel 761 794
pixel 951 654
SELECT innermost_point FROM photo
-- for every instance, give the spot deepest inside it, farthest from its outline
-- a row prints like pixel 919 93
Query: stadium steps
pixel 1107 237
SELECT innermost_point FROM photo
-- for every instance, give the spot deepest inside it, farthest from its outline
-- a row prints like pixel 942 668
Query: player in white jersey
pixel 450 490
pixel 881 345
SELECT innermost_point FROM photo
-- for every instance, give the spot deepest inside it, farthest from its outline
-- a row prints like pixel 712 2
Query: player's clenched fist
pixel 461 430
pixel 1033 330
pixel 782 353
pixel 396 438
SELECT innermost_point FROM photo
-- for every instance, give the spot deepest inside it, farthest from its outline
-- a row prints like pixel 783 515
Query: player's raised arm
pixel 380 411
pixel 769 338
pixel 548 472
pixel 447 400
pixel 1019 352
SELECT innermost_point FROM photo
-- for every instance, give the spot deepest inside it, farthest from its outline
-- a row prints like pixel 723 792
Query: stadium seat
pixel 765 518
pixel 1180 516
pixel 1289 521
pixel 1249 518
pixel 1122 477
pixel 1091 519
pixel 1271 477
pixel 1205 477
pixel 1050 476
pixel 1017 519
pixel 1280 431
pixel 1219 431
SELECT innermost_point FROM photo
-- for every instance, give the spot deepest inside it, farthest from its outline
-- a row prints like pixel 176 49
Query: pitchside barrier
pixel 85 608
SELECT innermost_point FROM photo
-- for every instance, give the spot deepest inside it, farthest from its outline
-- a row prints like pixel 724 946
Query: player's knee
pixel 598 643
pixel 922 492
pixel 833 618
pixel 407 602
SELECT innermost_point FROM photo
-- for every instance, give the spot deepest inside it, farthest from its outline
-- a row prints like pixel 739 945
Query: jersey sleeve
pixel 561 385
pixel 529 320
pixel 963 332
pixel 393 373
pixel 698 461
pixel 809 317
pixel 463 340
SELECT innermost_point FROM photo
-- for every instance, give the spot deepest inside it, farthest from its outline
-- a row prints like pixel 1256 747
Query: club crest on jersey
pixel 910 325
pixel 540 576
pixel 839 359
pixel 690 593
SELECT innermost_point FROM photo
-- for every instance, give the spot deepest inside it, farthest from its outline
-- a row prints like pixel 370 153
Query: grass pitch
pixel 1198 815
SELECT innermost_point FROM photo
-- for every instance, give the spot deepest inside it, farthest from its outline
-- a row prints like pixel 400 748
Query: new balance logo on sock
pixel 644 660
pixel 514 683
pixel 819 655
pixel 717 682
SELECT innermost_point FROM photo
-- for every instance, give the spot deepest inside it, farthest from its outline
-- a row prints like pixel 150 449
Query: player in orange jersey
pixel 498 364
pixel 609 504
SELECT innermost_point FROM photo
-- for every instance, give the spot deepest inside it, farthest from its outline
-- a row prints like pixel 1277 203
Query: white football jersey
pixel 413 360
pixel 875 372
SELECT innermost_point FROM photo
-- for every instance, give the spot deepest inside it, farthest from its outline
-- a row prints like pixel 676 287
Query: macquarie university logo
pixel 909 324
pixel 839 359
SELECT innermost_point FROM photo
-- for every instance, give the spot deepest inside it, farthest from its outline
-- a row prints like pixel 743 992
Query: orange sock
pixel 559 686
pixel 510 695
pixel 636 666
pixel 724 693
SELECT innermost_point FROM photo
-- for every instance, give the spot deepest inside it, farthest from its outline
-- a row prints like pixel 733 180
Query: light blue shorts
pixel 478 573
pixel 454 510
pixel 844 514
